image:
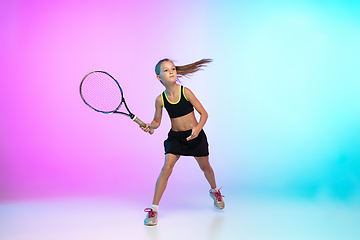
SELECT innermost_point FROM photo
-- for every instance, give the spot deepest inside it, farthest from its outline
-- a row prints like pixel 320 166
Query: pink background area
pixel 51 143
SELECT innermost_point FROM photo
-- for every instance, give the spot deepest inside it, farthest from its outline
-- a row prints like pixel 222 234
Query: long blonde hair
pixel 185 70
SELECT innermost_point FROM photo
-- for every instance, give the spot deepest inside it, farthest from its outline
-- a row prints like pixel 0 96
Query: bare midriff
pixel 183 123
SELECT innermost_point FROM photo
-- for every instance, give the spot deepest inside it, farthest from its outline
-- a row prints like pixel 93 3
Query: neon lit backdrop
pixel 282 95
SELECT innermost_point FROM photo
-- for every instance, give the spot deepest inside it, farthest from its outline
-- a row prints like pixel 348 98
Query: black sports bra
pixel 179 108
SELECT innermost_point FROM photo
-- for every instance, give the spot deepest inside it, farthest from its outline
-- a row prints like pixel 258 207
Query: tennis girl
pixel 186 137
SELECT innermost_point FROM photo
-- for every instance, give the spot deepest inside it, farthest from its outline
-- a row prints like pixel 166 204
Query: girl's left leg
pixel 209 174
pixel 207 169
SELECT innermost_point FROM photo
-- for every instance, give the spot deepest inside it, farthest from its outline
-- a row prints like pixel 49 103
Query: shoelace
pixel 150 211
pixel 218 195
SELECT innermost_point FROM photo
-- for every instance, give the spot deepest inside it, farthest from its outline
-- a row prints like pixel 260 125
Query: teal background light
pixel 288 83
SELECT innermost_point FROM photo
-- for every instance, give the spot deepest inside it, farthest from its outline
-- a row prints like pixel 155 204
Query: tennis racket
pixel 101 92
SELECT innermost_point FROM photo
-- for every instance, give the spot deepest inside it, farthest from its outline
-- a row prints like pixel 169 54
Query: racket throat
pixel 132 116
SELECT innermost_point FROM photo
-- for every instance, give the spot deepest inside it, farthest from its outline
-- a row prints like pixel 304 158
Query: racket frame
pixel 130 114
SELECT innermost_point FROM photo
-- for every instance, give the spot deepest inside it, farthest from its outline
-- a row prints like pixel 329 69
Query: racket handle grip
pixel 142 124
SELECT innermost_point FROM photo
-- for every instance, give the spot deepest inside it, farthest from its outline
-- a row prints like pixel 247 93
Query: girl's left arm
pixel 200 109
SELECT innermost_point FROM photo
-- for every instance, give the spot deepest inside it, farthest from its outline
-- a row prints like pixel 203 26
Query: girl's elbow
pixel 204 114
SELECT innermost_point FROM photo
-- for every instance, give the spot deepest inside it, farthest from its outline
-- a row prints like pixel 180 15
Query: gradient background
pixel 282 96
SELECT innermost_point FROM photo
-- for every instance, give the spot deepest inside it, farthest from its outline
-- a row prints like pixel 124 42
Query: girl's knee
pixel 167 170
pixel 205 167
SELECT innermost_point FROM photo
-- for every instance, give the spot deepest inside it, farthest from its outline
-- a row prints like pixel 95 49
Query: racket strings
pixel 101 92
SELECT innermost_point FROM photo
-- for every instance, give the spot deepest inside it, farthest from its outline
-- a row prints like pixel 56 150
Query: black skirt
pixel 177 144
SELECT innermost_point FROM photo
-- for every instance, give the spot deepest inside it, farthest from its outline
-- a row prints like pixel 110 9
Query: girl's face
pixel 167 72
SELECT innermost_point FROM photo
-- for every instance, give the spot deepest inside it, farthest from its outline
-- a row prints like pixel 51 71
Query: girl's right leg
pixel 170 160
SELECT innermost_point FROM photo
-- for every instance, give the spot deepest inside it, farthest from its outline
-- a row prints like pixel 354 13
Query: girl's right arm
pixel 157 117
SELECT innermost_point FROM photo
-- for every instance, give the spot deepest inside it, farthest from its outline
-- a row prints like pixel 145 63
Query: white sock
pixel 214 189
pixel 155 207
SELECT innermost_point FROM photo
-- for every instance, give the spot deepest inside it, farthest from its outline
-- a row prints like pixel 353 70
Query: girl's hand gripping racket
pixel 103 93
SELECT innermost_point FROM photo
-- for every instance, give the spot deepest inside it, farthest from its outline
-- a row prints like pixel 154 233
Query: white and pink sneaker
pixel 151 218
pixel 217 197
